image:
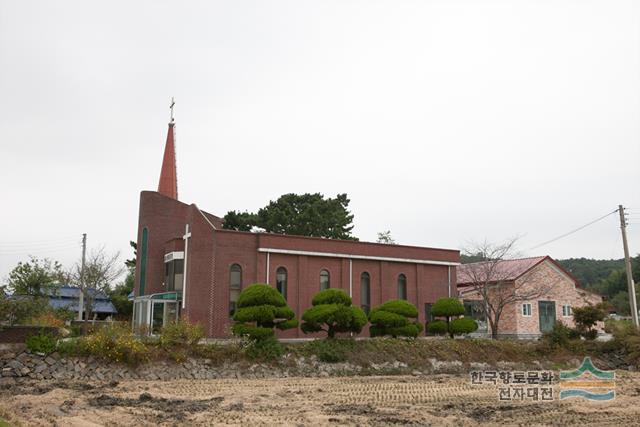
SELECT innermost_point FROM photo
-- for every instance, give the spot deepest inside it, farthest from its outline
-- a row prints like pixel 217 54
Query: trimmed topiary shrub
pixel 393 318
pixel 463 325
pixel 261 308
pixel 333 313
pixel 587 317
pixel 437 327
pixel 448 308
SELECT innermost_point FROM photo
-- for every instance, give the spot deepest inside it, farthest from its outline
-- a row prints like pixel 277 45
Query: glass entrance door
pixel 158 317
pixel 546 315
pixel 428 317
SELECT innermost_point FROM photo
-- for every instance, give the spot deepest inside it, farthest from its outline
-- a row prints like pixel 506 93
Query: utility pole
pixel 627 265
pixel 81 301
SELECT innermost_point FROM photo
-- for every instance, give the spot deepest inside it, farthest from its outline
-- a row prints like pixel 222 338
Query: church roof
pixel 168 184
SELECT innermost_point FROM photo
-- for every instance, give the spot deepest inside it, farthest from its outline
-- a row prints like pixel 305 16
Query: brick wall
pixel 212 252
pixel 560 288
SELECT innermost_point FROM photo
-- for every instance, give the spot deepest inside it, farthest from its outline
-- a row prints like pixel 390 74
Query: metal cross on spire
pixel 173 102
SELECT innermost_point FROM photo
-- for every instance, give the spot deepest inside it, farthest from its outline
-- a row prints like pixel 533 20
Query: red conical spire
pixel 168 184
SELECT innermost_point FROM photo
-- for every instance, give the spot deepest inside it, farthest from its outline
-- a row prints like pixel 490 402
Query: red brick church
pixel 189 266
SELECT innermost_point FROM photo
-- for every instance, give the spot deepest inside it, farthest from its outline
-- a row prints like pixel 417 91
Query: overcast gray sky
pixel 444 121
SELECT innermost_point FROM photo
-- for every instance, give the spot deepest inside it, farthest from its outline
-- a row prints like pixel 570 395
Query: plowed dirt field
pixel 443 400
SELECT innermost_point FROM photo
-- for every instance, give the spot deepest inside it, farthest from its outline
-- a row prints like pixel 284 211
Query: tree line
pixel 24 296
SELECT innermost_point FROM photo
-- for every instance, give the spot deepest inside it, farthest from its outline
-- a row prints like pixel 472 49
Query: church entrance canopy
pixel 152 312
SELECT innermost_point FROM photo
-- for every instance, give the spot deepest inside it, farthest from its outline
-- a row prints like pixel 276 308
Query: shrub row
pixel 261 308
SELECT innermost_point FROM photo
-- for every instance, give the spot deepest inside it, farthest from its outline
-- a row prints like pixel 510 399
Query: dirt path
pixel 436 400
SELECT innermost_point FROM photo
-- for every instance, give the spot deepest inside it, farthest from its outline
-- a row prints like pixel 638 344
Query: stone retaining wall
pixel 21 365
pixel 18 365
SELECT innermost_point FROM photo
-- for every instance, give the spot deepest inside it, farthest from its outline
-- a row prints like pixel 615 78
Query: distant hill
pixel 468 259
pixel 589 272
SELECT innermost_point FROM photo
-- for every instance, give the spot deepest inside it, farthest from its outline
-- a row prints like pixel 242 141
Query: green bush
pixel 448 308
pixel 180 333
pixel 18 309
pixel 560 336
pixel 260 309
pixel 586 318
pixel 260 294
pixel 463 325
pixel 392 318
pixel 629 342
pixel 437 327
pixel 333 313
pixel 266 349
pixel 114 343
pixel 42 343
pixel 332 351
pixel 615 327
pixel 76 330
pixel 68 348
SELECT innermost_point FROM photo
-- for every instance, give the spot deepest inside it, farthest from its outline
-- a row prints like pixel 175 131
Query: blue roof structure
pixel 68 297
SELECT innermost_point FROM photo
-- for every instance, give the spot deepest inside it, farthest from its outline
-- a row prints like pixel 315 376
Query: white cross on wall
pixel 186 236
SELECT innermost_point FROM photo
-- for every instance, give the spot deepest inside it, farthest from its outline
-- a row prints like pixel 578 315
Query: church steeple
pixel 168 184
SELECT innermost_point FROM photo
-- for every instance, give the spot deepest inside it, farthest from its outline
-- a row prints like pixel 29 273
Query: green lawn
pixel 4 423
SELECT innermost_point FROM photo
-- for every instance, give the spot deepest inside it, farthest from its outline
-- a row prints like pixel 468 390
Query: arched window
pixel 365 292
pixel 281 281
pixel 235 286
pixel 324 280
pixel 402 287
pixel 143 259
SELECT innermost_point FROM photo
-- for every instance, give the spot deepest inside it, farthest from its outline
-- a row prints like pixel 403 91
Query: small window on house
pixel 235 286
pixel 402 287
pixel 526 309
pixel 365 292
pixel 566 310
pixel 324 280
pixel 281 281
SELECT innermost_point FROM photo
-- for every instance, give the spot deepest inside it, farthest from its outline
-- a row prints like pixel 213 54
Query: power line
pixel 53 239
pixel 10 246
pixel 38 248
pixel 573 231
pixel 39 251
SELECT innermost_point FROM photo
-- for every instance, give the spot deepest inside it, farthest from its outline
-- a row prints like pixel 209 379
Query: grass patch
pixel 4 423
pixel 219 354
pixel 416 353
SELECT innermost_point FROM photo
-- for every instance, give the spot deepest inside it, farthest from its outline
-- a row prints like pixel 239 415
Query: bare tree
pixel 385 237
pixel 100 270
pixel 500 283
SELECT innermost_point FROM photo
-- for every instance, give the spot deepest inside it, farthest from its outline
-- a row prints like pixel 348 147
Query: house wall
pixel 561 289
pixel 507 324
